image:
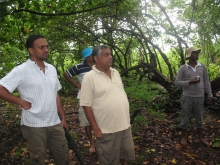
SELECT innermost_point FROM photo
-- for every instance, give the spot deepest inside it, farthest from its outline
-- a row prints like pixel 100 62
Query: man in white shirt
pixel 107 109
pixel 38 85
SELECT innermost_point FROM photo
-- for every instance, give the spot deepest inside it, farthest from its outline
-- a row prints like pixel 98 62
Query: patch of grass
pixel 216 142
pixel 140 95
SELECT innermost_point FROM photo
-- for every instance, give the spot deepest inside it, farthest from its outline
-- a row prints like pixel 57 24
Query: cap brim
pixel 199 50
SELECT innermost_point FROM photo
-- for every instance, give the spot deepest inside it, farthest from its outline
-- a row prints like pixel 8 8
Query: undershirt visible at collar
pixel 98 71
pixel 194 69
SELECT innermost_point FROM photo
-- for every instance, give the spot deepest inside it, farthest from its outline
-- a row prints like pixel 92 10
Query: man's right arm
pixel 90 116
pixel 7 96
pixel 71 80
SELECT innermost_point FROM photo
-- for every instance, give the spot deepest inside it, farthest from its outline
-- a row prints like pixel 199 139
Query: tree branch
pixel 58 14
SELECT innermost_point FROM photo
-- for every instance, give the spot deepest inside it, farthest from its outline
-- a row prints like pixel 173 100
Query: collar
pixel 35 64
pixel 98 71
pixel 198 64
pixel 85 63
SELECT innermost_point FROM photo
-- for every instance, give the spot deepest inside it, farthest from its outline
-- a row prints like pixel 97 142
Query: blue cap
pixel 86 53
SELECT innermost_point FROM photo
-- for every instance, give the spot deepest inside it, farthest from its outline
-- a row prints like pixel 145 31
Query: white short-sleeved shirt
pixel 38 88
pixel 107 98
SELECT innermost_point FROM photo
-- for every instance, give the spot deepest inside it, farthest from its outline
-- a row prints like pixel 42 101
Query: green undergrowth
pixel 142 107
pixel 10 134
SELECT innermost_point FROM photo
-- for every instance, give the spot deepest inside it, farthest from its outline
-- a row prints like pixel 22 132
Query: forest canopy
pixel 148 38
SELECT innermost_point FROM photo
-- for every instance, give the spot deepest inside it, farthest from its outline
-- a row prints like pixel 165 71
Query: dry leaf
pixel 152 150
pixel 136 147
pixel 86 145
pixel 173 161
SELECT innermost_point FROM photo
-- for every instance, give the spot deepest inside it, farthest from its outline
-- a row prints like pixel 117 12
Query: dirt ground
pixel 156 143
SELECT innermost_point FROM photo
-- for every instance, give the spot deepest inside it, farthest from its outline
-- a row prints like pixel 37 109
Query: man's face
pixel 105 59
pixel 89 59
pixel 40 49
pixel 195 55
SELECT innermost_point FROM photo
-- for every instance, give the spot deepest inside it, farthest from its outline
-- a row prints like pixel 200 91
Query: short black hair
pixel 31 39
pixel 97 51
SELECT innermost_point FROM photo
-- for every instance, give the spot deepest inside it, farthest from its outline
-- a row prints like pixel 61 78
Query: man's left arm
pixel 61 112
pixel 207 84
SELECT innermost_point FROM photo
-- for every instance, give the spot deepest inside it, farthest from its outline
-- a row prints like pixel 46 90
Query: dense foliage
pixel 147 38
